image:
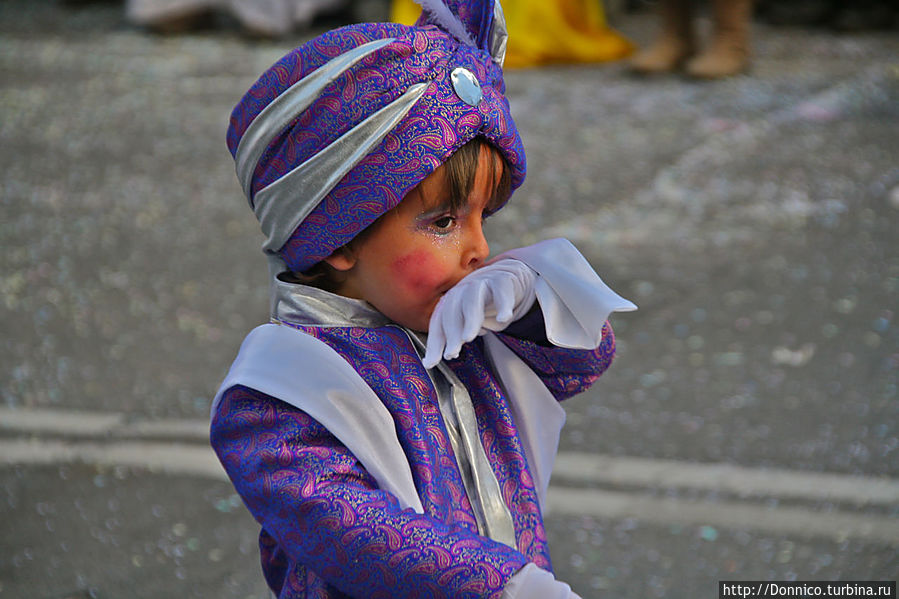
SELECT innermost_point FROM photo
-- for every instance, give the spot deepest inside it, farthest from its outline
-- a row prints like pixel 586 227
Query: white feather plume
pixel 446 19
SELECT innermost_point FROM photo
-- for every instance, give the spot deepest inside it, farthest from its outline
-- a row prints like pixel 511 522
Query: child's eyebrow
pixel 439 202
pixel 435 210
pixel 430 212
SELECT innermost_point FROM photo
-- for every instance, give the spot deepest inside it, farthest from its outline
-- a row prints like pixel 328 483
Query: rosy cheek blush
pixel 417 270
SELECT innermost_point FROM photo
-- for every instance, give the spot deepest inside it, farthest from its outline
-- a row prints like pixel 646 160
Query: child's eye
pixel 444 222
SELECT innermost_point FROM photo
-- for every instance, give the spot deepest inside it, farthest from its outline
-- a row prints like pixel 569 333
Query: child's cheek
pixel 418 271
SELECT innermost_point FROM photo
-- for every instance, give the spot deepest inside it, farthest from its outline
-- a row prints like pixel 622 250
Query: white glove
pixel 490 298
pixel 532 582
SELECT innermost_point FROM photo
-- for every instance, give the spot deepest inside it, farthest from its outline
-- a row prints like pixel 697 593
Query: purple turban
pixel 339 130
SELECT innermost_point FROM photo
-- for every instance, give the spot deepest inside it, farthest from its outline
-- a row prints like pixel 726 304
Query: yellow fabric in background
pixel 547 31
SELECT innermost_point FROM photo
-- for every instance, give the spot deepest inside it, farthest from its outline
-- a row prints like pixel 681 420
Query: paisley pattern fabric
pixel 477 18
pixel 438 124
pixel 328 531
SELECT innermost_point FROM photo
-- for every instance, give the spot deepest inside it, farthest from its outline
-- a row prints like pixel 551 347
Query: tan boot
pixel 675 42
pixel 728 53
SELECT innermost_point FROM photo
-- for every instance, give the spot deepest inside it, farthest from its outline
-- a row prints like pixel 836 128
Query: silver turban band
pixel 282 205
pixel 286 107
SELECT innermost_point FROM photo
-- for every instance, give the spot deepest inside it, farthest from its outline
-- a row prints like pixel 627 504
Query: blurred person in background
pixel 263 18
pixel 547 31
pixel 726 54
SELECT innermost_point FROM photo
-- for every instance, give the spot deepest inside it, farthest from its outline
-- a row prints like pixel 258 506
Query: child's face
pixel 417 251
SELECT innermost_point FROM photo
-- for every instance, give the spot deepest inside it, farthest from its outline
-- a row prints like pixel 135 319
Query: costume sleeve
pixel 566 338
pixel 325 511
pixel 574 301
pixel 565 372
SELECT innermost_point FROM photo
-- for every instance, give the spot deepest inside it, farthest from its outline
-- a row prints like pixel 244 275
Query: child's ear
pixel 341 259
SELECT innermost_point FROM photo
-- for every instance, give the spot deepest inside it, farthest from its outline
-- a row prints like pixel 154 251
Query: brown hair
pixel 460 170
pixel 459 174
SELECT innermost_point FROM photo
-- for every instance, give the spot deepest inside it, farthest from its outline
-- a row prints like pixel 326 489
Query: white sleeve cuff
pixel 575 302
pixel 532 582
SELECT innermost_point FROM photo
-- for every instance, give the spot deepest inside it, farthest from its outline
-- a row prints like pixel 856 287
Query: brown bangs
pixel 460 171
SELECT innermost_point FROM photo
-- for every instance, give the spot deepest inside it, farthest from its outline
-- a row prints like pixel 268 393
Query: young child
pixel 394 427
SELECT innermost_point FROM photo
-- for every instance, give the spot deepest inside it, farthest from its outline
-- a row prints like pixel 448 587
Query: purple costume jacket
pixel 328 530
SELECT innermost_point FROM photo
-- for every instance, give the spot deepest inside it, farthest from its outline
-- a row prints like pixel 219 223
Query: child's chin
pixel 413 316
pixel 418 327
pixel 417 324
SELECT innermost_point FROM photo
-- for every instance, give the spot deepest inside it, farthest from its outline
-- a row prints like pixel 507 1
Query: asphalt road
pixel 748 429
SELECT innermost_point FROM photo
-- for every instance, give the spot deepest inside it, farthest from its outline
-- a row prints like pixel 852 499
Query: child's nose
pixel 477 249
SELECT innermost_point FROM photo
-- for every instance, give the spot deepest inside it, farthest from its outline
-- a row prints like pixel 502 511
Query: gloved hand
pixel 490 298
